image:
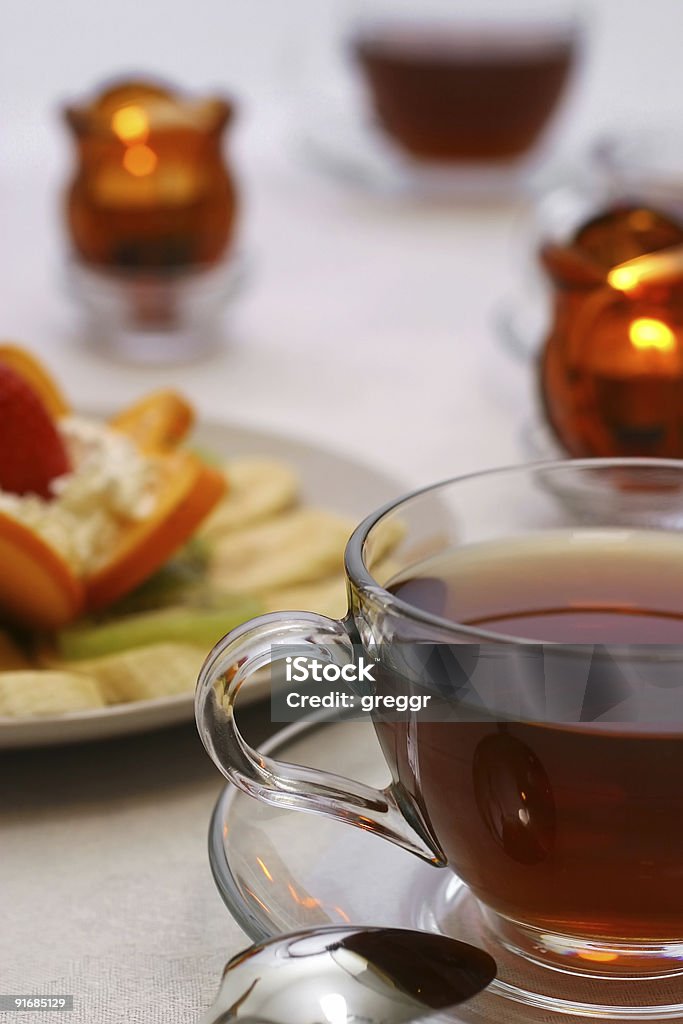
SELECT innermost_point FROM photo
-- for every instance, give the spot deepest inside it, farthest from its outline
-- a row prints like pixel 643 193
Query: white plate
pixel 328 479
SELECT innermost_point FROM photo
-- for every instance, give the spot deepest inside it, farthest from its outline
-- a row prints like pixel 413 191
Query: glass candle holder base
pixel 155 317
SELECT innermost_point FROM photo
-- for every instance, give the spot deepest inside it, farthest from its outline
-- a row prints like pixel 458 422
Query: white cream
pixel 111 485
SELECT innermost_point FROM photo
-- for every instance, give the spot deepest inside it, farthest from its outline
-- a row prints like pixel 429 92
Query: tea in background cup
pixel 470 83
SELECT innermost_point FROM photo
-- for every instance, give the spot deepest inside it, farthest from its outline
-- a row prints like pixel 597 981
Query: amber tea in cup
pixel 564 826
pixel 450 92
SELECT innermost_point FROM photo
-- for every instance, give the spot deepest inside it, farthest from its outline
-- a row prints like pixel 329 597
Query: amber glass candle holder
pixel 151 214
pixel 612 366
pixel 598 305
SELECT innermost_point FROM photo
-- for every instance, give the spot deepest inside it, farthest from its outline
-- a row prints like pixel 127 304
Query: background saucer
pixel 346 143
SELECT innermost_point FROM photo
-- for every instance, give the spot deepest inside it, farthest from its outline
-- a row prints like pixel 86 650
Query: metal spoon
pixel 339 975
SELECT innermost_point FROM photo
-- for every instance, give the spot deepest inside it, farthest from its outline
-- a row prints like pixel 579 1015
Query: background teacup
pixel 473 81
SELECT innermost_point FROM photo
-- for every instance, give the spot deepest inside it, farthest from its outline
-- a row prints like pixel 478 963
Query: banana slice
pixel 297 547
pixel 39 693
pixel 327 597
pixel 258 489
pixel 160 670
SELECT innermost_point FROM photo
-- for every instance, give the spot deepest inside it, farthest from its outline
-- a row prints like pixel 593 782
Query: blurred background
pixel 256 48
pixel 359 289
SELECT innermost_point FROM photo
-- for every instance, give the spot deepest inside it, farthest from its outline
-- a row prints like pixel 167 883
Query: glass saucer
pixel 345 142
pixel 280 870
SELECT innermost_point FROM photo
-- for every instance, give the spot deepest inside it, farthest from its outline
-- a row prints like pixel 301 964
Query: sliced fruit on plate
pixel 202 627
pixel 38 587
pixel 37 376
pixel 39 693
pixel 187 491
pixel 36 584
pixel 147 673
pixel 180 581
pixel 32 451
pixel 259 488
pixel 296 547
pixel 159 420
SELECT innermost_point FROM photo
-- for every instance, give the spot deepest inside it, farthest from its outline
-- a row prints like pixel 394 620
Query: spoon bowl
pixel 339 975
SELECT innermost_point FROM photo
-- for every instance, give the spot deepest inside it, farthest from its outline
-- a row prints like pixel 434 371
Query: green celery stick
pixel 202 627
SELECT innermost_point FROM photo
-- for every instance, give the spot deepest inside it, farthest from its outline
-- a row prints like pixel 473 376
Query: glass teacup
pixel 541 609
pixel 477 81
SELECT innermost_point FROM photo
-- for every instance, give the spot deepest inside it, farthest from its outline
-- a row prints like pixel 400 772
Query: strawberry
pixel 32 452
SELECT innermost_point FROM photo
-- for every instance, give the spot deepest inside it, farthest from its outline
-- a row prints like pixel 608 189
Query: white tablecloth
pixel 105 886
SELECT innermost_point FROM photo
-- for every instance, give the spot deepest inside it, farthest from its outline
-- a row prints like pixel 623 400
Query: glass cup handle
pixel 232 662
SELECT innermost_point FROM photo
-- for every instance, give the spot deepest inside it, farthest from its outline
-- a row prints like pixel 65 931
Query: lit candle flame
pixel 140 160
pixel 647 333
pixel 131 124
pixel 650 268
pixel 623 279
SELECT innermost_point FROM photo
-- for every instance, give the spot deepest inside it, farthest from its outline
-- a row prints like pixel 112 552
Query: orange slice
pixel 37 586
pixel 159 420
pixel 37 376
pixel 188 490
